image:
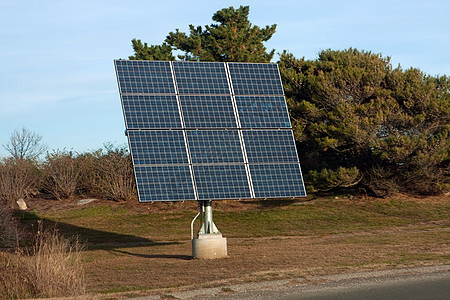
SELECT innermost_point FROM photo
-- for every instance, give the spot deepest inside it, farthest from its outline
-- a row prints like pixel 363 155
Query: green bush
pixel 388 128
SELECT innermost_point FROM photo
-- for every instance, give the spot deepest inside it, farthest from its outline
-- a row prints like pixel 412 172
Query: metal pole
pixel 208 226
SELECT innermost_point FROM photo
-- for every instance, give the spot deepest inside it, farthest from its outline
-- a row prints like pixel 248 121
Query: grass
pixel 321 217
pixel 131 250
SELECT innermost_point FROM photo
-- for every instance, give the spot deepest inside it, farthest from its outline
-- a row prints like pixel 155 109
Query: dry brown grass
pixel 9 233
pixel 51 267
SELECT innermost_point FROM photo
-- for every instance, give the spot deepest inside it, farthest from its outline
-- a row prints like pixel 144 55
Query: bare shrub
pixel 62 171
pixel 19 178
pixel 50 268
pixel 110 173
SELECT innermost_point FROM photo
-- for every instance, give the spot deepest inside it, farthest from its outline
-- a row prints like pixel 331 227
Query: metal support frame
pixel 208 227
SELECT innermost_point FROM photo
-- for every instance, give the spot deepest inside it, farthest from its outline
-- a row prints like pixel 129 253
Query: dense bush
pixel 359 122
pixel 62 173
pixel 109 173
pixel 19 178
pixel 105 173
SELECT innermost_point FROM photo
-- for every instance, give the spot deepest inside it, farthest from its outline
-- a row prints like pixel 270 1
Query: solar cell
pixel 164 183
pixel 208 111
pixel 263 112
pixel 255 79
pixel 201 78
pixel 277 180
pixel 214 146
pixel 151 111
pixel 221 182
pixel 148 77
pixel 150 147
pixel 270 146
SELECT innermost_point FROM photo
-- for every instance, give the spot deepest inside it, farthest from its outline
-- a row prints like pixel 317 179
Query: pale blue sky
pixel 57 73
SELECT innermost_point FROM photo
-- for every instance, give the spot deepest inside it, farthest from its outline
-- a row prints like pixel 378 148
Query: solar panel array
pixel 208 130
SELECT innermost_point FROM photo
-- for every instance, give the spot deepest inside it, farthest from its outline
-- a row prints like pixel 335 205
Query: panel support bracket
pixel 208 226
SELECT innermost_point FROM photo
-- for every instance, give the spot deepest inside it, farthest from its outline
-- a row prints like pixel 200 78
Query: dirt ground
pixel 165 267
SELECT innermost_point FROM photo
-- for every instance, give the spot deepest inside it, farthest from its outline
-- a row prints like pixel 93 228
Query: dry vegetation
pixel 50 267
pixel 9 232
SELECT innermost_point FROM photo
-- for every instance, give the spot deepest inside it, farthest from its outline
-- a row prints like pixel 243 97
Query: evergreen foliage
pixel 359 122
pixel 231 38
pixel 152 52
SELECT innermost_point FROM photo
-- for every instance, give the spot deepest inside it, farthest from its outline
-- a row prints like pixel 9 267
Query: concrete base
pixel 209 246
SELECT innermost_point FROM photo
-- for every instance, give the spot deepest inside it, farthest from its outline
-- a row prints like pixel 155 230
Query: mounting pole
pixel 209 243
pixel 208 226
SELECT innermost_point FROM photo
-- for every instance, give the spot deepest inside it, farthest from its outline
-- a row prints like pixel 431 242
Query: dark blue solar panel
pixel 153 92
pixel 151 111
pixel 263 112
pixel 221 182
pixel 201 78
pixel 277 180
pixel 270 146
pixel 208 111
pixel 255 79
pixel 214 146
pixel 151 77
pixel 150 147
pixel 164 183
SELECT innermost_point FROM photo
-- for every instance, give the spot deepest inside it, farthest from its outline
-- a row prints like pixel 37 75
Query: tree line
pixel 359 123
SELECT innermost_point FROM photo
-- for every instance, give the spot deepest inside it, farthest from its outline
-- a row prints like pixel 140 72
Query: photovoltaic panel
pixel 270 146
pixel 263 112
pixel 151 147
pixel 201 78
pixel 277 180
pixel 214 146
pixel 167 183
pixel 221 182
pixel 255 79
pixel 151 111
pixel 139 77
pixel 208 130
pixel 208 111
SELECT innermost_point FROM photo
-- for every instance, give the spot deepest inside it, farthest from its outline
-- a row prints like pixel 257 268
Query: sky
pixel 57 73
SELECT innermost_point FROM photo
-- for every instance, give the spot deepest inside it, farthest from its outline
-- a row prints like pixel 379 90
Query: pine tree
pixel 152 52
pixel 231 38
pixel 360 122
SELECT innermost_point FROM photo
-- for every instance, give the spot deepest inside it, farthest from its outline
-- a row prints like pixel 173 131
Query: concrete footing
pixel 209 246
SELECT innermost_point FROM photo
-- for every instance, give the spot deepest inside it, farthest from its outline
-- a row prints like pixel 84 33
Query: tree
pixel 154 52
pixel 231 38
pixel 25 144
pixel 360 122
